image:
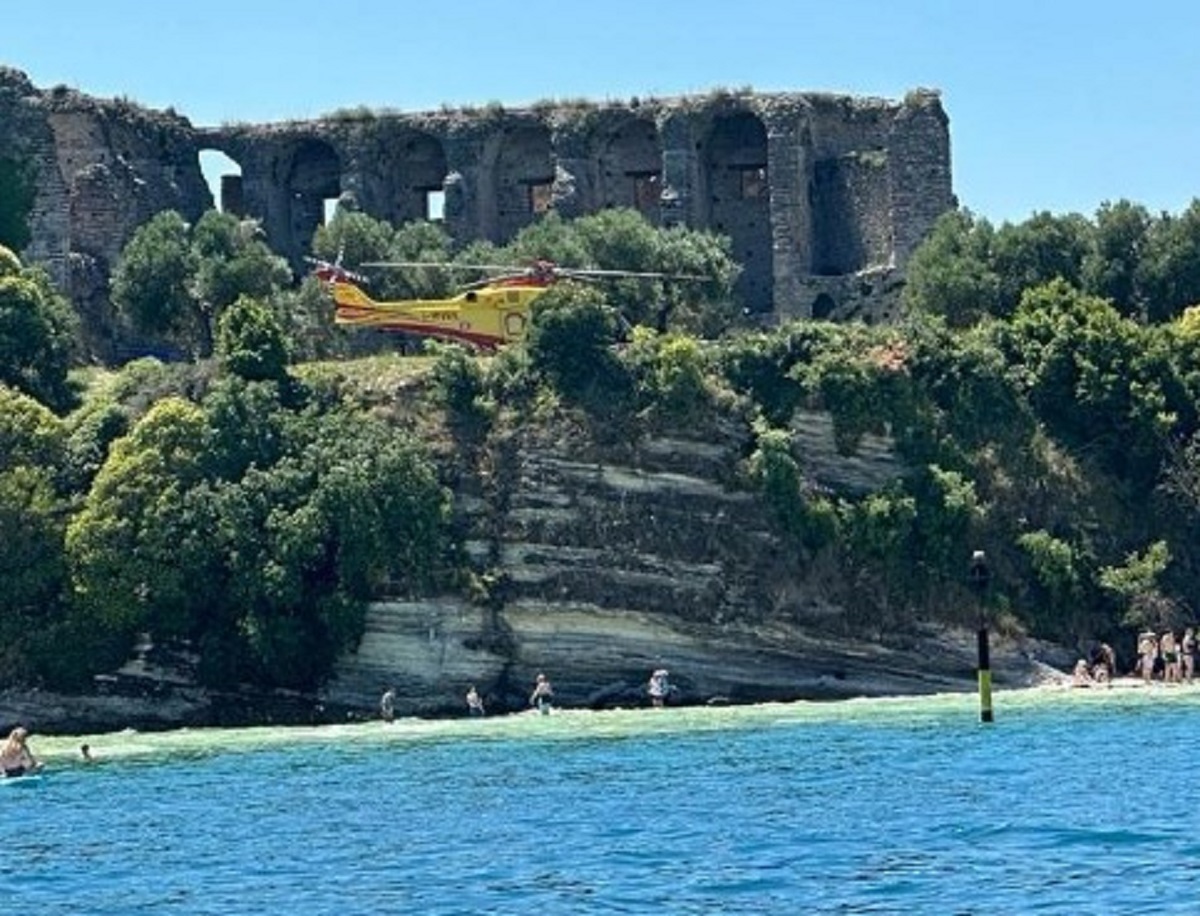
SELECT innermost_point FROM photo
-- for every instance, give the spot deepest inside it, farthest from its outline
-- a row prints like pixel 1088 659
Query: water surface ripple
pixel 1071 801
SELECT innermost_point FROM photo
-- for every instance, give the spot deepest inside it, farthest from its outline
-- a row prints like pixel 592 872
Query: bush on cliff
pixel 1147 267
pixel 288 521
pixel 173 281
pixel 250 342
pixel 33 513
pixel 37 335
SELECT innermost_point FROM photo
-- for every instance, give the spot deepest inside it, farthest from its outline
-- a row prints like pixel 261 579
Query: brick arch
pixel 416 170
pixel 738 203
pixel 823 307
pixel 631 168
pixel 223 175
pixel 312 175
pixel 523 172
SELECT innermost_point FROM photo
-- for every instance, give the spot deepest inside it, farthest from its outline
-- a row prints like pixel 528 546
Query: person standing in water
pixel 387 705
pixel 474 702
pixel 543 695
pixel 16 759
pixel 659 688
pixel 1188 653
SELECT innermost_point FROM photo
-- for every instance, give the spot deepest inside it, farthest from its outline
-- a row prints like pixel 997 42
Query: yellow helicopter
pixel 486 314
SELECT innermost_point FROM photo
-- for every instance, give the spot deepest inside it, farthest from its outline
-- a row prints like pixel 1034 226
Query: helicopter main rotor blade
pixel 544 268
pixel 634 274
pixel 444 265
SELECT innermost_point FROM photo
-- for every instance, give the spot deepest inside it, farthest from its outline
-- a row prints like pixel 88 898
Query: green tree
pixel 1098 380
pixel 1059 573
pixel 671 375
pixel 290 520
pixel 37 333
pixel 798 509
pixel 460 384
pixel 10 264
pixel 234 261
pixel 349 509
pixel 353 238
pixel 570 342
pixel 32 568
pixel 859 377
pixel 951 273
pixel 130 568
pixel 1043 248
pixel 30 434
pixel 622 241
pixel 152 280
pixel 1136 583
pixel 403 262
pixel 965 393
pixel 948 512
pixel 251 343
pixel 173 280
pixel 1170 265
pixel 878 535
pixel 17 191
pixel 1112 269
pixel 33 513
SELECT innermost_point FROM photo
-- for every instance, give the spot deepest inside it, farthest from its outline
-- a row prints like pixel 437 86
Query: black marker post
pixel 978 576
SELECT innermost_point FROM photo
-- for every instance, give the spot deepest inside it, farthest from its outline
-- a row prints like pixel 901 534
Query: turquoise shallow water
pixel 1073 801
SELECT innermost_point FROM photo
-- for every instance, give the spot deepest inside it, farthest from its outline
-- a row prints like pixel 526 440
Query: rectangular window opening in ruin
pixel 231 199
pixel 754 182
pixel 540 196
pixel 328 209
pixel 435 205
pixel 647 187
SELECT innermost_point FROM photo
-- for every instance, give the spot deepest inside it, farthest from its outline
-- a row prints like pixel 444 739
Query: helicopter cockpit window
pixel 540 196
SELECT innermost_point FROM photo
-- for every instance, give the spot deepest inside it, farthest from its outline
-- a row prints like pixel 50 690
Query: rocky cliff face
pixel 89 172
pixel 609 561
pixel 598 562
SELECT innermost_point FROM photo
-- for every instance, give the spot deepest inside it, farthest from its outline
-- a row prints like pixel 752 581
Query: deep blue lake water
pixel 1072 801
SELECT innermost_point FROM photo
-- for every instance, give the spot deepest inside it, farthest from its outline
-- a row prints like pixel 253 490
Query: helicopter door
pixel 514 324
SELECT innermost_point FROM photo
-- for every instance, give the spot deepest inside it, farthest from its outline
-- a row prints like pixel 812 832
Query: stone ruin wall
pixel 824 196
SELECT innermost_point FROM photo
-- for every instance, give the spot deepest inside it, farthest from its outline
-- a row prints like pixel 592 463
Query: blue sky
pixel 1054 105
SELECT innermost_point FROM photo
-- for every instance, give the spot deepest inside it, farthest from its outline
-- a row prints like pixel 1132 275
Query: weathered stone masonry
pixel 823 196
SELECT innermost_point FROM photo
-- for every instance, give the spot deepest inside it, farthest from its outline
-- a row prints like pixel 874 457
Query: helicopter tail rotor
pixel 331 272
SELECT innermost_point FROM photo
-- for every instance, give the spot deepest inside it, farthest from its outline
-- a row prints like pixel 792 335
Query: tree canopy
pixel 173 281
pixel 37 334
pixel 1145 265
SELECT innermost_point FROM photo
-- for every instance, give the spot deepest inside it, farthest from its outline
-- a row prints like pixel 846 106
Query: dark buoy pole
pixel 985 675
pixel 979 576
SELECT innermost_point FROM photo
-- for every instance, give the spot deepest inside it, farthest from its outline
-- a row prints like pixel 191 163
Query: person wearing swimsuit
pixel 542 696
pixel 474 702
pixel 15 757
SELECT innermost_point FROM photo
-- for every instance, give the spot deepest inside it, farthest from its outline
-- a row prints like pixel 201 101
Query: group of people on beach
pixel 658 689
pixel 1169 657
pixel 1098 669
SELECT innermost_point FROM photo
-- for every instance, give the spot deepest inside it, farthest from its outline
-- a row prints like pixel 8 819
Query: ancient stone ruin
pixel 823 196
